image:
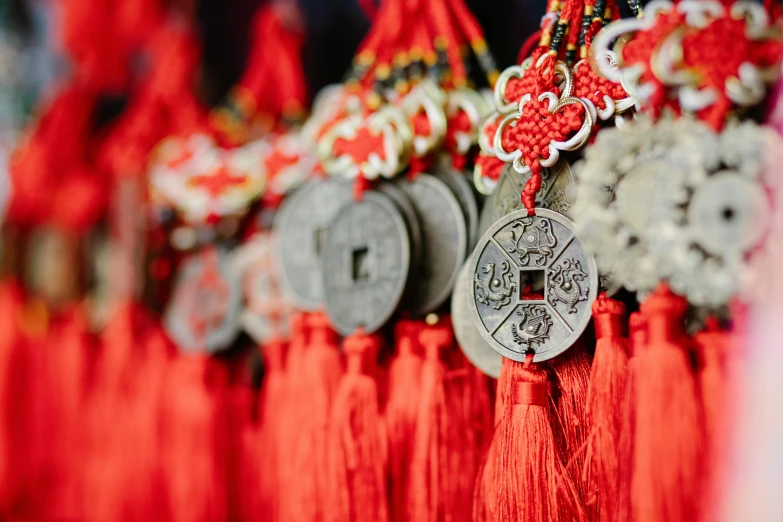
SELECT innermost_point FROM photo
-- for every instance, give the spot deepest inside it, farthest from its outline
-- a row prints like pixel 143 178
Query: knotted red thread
pixel 667 477
pixel 357 439
pixel 400 414
pixel 607 390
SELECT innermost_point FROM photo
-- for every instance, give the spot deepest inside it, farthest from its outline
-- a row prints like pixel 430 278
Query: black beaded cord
pixel 636 7
pixel 559 33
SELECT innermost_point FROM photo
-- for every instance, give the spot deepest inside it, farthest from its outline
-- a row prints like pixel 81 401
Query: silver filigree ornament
pixel 674 201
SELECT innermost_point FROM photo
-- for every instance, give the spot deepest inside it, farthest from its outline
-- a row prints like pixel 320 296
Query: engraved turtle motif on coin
pixel 444 240
pixel 301 229
pixel 515 256
pixel 203 314
pixel 473 345
pixel 366 258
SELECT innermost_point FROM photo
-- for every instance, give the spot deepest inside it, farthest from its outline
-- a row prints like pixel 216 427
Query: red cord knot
pixel 361 351
pixel 434 339
pixel 608 317
pixel 273 353
pixel 530 393
pixel 663 312
pixel 320 330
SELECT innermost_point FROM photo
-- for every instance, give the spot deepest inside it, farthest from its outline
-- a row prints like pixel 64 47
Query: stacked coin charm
pixel 517 255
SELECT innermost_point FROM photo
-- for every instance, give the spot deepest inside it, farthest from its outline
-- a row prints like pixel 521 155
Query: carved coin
pixel 444 240
pixel 473 345
pixel 366 258
pixel 463 191
pixel 267 312
pixel 515 256
pixel 556 193
pixel 404 205
pixel 301 229
pixel 203 314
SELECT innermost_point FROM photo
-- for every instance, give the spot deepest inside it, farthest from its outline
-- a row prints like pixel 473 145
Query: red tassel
pixel 668 436
pixel 193 439
pixel 572 428
pixel 274 406
pixel 357 439
pixel 401 411
pixel 323 368
pixel 528 473
pixel 637 340
pixel 606 394
pixel 433 482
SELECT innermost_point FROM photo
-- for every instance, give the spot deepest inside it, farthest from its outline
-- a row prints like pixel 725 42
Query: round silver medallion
pixel 516 255
pixel 366 258
pixel 203 313
pixel 267 312
pixel 301 229
pixel 444 240
pixel 463 191
pixel 472 344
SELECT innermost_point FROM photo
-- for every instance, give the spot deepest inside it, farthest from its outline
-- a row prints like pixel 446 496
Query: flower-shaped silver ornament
pixel 674 201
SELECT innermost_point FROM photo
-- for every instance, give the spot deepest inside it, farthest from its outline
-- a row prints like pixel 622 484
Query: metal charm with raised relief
pixel 365 262
pixel 444 240
pixel 301 228
pixel 469 339
pixel 203 314
pixel 533 285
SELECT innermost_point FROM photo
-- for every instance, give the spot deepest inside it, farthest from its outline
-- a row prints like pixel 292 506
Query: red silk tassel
pixel 572 371
pixel 528 473
pixel 323 368
pixel 273 408
pixel 608 379
pixel 434 483
pixel 193 439
pixel 668 437
pixel 357 455
pixel 637 340
pixel 400 415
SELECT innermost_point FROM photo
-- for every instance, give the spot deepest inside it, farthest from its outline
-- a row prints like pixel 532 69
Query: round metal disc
pixel 463 191
pixel 203 314
pixel 727 214
pixel 445 240
pixel 366 258
pixel 472 344
pixel 511 256
pixel 266 313
pixel 301 228
pixel 557 192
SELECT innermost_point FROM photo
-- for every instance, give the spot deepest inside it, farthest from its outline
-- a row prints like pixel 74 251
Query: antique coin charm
pixel 473 345
pixel 515 256
pixel 674 201
pixel 267 312
pixel 444 240
pixel 301 229
pixel 203 314
pixel 463 191
pixel 366 258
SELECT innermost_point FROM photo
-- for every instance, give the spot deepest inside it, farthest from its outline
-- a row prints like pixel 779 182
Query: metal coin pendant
pixel 301 229
pixel 463 191
pixel 404 205
pixel 472 344
pixel 266 313
pixel 366 258
pixel 203 314
pixel 444 240
pixel 517 253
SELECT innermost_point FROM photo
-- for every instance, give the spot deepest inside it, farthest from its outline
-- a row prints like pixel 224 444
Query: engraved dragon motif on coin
pixel 532 238
pixel 532 327
pixel 495 292
pixel 565 287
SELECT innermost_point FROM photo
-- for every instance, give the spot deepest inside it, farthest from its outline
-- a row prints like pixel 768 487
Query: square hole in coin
pixel 360 261
pixel 531 284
